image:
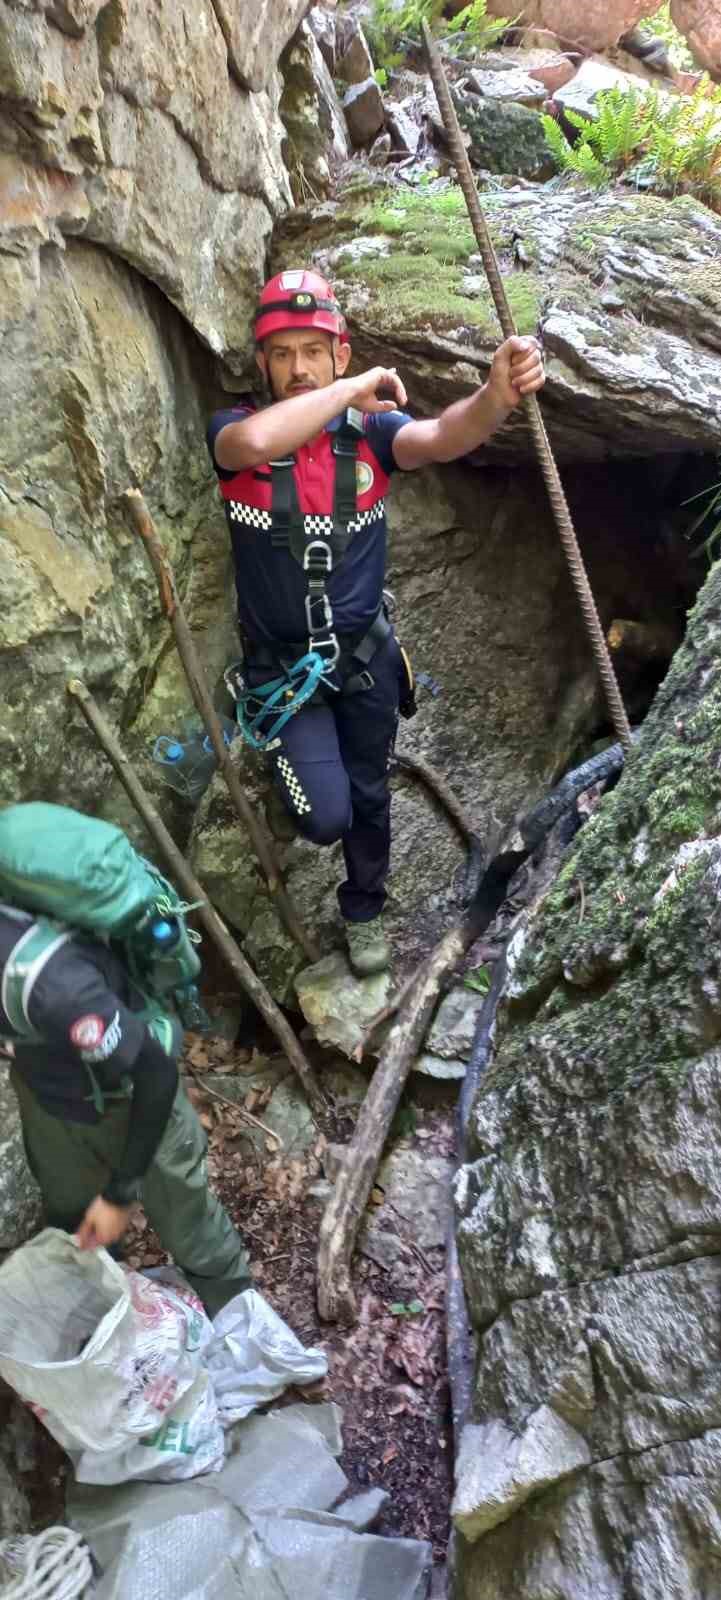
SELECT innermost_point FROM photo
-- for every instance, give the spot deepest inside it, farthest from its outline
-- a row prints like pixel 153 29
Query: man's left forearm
pixel 468 424
pixel 516 371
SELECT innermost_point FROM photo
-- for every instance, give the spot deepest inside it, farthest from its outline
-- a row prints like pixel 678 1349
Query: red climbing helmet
pixel 298 300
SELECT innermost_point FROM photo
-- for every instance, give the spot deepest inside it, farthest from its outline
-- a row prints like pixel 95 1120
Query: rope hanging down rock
pixel 559 504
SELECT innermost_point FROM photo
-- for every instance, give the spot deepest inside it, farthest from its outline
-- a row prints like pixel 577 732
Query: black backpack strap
pixel 345 504
pixel 320 550
pixel 287 530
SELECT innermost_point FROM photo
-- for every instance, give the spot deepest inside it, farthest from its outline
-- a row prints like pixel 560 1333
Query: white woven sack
pixel 111 1363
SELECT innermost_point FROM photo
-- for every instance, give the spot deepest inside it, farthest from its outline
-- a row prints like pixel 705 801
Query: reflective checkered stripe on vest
pixel 316 540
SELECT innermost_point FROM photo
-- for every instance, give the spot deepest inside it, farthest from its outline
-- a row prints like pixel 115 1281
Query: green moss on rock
pixel 619 977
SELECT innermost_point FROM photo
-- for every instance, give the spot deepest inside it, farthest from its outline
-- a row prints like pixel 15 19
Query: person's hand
pixel 102 1224
pixel 516 370
pixel 363 390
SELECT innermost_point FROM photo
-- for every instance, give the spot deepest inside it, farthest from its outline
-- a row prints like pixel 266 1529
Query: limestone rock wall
pixel 141 171
pixel 590 1207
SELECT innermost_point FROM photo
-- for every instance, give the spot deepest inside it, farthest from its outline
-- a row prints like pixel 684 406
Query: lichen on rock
pixel 590 1207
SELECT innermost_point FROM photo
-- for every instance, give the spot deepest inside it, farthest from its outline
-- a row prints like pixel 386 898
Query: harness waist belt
pixel 360 646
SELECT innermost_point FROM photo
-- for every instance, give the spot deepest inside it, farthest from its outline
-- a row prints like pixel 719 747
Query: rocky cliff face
pixel 143 170
pixel 140 175
pixel 591 1209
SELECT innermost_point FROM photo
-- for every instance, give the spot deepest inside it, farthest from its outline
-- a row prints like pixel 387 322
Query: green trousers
pixel 72 1161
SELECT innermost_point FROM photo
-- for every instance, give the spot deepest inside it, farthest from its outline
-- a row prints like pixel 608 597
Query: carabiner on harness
pixel 278 700
pixel 322 641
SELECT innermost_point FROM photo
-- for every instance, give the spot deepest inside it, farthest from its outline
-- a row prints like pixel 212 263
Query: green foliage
pixel 672 143
pixel 472 27
pixel 414 1308
pixel 665 29
pixel 607 145
pixel 710 545
pixel 478 978
pixel 389 24
pixel 684 143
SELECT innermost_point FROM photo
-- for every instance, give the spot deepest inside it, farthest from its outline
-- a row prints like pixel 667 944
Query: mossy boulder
pixel 590 1205
pixel 625 289
pixel 505 137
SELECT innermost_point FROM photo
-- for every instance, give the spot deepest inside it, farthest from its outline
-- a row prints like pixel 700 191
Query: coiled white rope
pixel 53 1565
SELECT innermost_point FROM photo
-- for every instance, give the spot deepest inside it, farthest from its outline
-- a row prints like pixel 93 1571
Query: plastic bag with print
pixel 112 1363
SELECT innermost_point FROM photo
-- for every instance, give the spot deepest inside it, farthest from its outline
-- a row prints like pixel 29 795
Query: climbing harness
pixel 278 699
pixel 318 663
pixel 318 555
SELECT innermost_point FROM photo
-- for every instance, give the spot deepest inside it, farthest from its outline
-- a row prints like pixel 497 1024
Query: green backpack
pixel 78 872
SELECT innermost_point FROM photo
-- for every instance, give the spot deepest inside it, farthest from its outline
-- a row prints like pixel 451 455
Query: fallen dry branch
pixel 259 838
pixel 643 641
pixel 230 951
pixel 247 1116
pixel 343 1213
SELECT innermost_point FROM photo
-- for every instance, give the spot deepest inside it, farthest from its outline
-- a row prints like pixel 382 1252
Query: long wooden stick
pixel 343 1213
pixel 486 952
pixel 345 1208
pixel 173 608
pixel 230 951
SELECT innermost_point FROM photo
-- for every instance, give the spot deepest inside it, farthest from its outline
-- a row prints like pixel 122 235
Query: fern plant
pixel 684 144
pixel 388 24
pixel 665 29
pixel 607 145
pixel 674 142
pixel 473 27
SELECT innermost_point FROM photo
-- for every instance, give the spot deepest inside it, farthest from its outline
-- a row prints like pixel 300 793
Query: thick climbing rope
pixel 559 504
pixel 52 1565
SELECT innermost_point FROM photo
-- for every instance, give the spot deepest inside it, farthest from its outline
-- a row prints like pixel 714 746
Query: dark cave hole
pixel 646 530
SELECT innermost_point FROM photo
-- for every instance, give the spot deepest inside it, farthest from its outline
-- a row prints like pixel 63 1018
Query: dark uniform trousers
pixel 71 1162
pixel 331 767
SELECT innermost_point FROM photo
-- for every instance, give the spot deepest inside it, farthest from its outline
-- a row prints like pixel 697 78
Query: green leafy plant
pixel 389 24
pixel 413 1308
pixel 671 143
pixel 478 978
pixel 607 145
pixel 710 546
pixel 473 27
pixel 684 143
pixel 665 29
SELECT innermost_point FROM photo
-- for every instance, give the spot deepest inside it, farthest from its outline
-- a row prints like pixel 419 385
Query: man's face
pixel 298 360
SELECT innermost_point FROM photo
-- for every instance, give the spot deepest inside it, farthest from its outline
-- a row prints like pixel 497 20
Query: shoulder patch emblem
pixel 106 1045
pixel 364 476
pixel 86 1032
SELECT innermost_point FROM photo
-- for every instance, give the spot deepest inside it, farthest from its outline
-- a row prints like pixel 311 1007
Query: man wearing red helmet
pixel 304 481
